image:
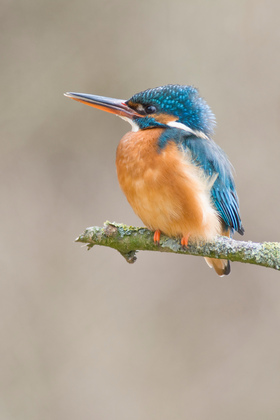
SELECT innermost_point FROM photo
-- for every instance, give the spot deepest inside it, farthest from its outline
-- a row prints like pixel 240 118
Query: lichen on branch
pixel 129 239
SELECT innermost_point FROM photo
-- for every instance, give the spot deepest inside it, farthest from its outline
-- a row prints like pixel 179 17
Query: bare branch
pixel 128 239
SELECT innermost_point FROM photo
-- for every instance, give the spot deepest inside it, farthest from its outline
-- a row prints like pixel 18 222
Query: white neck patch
pixel 184 127
pixel 175 124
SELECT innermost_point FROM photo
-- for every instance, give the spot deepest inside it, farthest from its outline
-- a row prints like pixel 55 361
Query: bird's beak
pixel 115 106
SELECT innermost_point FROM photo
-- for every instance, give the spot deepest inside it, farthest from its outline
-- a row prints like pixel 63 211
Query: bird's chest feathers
pixel 141 170
pixel 163 187
pixel 136 153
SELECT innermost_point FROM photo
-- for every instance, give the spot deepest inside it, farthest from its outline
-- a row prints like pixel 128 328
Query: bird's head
pixel 162 107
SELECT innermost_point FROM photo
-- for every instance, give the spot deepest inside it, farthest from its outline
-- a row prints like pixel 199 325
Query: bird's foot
pixel 157 237
pixel 184 241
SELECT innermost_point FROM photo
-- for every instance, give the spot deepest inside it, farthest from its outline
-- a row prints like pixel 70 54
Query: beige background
pixel 84 335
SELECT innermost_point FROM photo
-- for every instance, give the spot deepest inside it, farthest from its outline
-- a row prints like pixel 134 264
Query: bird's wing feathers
pixel 211 158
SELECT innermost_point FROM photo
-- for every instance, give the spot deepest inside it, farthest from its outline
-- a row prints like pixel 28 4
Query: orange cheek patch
pixel 164 118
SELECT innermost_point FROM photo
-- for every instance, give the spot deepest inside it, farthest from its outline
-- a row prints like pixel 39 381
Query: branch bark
pixel 128 240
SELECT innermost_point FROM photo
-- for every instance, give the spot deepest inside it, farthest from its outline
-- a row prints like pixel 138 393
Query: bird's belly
pixel 153 201
pixel 165 190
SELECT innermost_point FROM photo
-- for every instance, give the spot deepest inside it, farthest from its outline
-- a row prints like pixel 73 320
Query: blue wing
pixel 212 159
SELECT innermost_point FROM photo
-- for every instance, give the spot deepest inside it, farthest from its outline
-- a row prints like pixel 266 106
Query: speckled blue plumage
pixel 181 101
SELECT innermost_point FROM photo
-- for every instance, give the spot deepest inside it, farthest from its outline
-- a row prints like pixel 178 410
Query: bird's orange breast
pixel 164 188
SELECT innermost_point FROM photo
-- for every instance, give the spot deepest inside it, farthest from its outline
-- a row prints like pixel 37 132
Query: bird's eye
pixel 150 109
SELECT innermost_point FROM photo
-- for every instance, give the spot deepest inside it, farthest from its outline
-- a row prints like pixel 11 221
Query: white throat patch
pixel 134 126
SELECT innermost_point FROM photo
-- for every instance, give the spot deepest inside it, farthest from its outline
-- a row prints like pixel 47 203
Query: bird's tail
pixel 222 267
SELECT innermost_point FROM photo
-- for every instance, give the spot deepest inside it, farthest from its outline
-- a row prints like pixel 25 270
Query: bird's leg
pixel 157 237
pixel 184 241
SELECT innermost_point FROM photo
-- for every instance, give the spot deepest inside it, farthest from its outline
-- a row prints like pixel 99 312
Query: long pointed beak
pixel 115 106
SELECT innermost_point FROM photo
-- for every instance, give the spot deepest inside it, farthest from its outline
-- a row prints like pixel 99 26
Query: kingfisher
pixel 175 177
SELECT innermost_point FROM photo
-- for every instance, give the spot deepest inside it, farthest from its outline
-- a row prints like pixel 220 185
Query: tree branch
pixel 128 240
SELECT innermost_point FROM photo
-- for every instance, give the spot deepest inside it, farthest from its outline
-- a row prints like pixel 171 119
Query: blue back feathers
pixel 212 159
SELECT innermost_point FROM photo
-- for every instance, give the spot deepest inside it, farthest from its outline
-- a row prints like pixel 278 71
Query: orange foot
pixel 157 237
pixel 184 241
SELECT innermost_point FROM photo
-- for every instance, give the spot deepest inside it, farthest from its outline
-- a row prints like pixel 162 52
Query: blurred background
pixel 84 335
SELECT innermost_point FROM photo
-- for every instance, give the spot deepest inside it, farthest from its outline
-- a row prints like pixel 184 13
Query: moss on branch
pixel 128 240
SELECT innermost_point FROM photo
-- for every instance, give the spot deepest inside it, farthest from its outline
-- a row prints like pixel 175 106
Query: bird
pixel 174 176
